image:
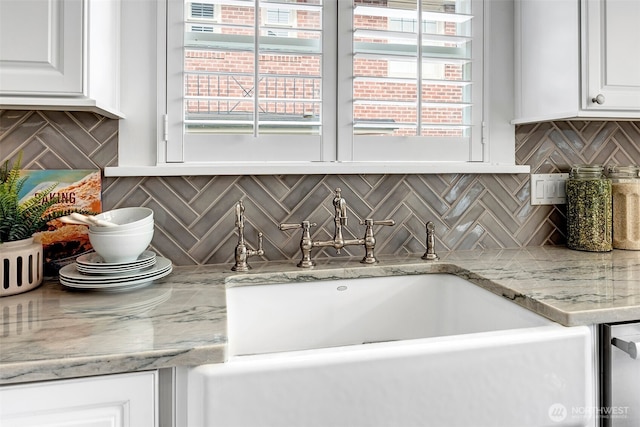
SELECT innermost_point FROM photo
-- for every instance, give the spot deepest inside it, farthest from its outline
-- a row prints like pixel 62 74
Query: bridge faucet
pixel 338 242
pixel 243 252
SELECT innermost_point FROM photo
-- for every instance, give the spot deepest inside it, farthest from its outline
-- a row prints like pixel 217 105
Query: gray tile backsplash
pixel 194 215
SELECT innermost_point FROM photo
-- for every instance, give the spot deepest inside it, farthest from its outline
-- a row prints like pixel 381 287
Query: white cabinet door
pixel 60 55
pixel 111 401
pixel 577 59
pixel 613 58
pixel 41 47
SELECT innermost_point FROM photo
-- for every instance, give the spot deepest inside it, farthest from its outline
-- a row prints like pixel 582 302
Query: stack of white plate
pixel 90 271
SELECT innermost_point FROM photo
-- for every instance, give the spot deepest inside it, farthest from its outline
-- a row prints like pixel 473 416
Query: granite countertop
pixel 180 320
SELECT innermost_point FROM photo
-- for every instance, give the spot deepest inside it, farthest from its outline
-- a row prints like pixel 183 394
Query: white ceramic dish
pixel 117 230
pixel 70 274
pixel 95 260
pixel 118 270
pixel 125 218
pixel 162 268
pixel 120 248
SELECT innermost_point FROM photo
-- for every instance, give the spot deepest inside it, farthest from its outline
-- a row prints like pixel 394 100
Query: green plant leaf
pixel 20 220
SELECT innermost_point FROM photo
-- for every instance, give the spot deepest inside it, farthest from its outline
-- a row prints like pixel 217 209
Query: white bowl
pixel 125 218
pixel 120 248
pixel 118 230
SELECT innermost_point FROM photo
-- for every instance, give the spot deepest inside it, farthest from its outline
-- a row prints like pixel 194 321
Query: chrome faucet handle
pixel 305 243
pixel 430 254
pixel 243 252
pixel 371 222
pixel 259 244
pixel 288 226
pixel 370 240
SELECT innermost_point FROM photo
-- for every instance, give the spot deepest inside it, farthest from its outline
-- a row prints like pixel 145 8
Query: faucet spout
pixel 240 221
pixel 340 205
pixel 243 252
pixel 340 219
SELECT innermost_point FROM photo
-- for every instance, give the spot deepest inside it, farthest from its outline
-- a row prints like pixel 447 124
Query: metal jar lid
pixel 582 171
pixel 623 172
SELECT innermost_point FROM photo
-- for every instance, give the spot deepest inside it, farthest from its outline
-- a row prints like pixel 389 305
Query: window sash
pixel 374 140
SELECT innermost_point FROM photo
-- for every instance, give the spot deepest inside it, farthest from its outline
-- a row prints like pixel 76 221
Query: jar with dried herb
pixel 589 212
pixel 625 192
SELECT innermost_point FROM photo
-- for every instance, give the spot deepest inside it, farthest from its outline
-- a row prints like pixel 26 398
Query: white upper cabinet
pixel 577 59
pixel 60 55
pixel 613 55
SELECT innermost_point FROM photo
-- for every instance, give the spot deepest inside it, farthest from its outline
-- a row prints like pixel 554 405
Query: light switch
pixel 548 188
pixel 539 189
pixel 562 189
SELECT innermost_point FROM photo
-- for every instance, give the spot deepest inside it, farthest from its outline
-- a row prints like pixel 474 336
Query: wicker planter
pixel 21 266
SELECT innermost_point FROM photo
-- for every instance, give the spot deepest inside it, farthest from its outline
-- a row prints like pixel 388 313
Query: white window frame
pixel 142 147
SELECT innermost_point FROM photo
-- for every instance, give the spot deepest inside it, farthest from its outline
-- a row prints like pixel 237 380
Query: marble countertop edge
pixel 105 364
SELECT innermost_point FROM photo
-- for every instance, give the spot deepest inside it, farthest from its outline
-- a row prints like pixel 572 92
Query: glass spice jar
pixel 589 213
pixel 625 193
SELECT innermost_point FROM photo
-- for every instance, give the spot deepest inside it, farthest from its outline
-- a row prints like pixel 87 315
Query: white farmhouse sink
pixel 423 350
pixel 320 314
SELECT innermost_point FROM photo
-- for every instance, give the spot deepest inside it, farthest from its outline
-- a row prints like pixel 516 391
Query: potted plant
pixel 21 259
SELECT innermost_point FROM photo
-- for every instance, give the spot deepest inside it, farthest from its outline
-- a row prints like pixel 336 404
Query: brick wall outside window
pixel 230 74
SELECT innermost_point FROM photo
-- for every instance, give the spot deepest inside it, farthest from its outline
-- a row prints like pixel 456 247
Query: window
pixel 318 86
pixel 256 86
pixel 204 11
pixel 279 18
pixel 199 17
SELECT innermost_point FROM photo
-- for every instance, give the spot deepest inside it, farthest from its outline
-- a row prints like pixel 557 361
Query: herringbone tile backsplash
pixel 194 215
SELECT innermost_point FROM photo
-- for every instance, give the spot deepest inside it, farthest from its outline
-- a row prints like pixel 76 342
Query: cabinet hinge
pixel 165 127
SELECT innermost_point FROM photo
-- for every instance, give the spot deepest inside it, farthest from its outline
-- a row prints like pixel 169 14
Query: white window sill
pixel 310 168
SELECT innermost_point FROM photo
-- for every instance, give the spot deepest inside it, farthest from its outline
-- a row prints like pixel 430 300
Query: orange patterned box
pixel 76 191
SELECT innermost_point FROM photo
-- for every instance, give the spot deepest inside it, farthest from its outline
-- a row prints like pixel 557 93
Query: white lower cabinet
pixel 108 401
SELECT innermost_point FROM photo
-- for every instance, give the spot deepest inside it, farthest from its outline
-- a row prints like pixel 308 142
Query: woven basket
pixel 21 266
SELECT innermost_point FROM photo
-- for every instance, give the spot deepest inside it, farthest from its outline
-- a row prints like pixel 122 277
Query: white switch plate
pixel 548 188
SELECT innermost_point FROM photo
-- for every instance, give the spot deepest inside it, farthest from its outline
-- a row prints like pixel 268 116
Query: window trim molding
pixel 315 168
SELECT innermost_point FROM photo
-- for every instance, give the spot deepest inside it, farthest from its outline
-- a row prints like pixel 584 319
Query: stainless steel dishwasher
pixel 620 374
